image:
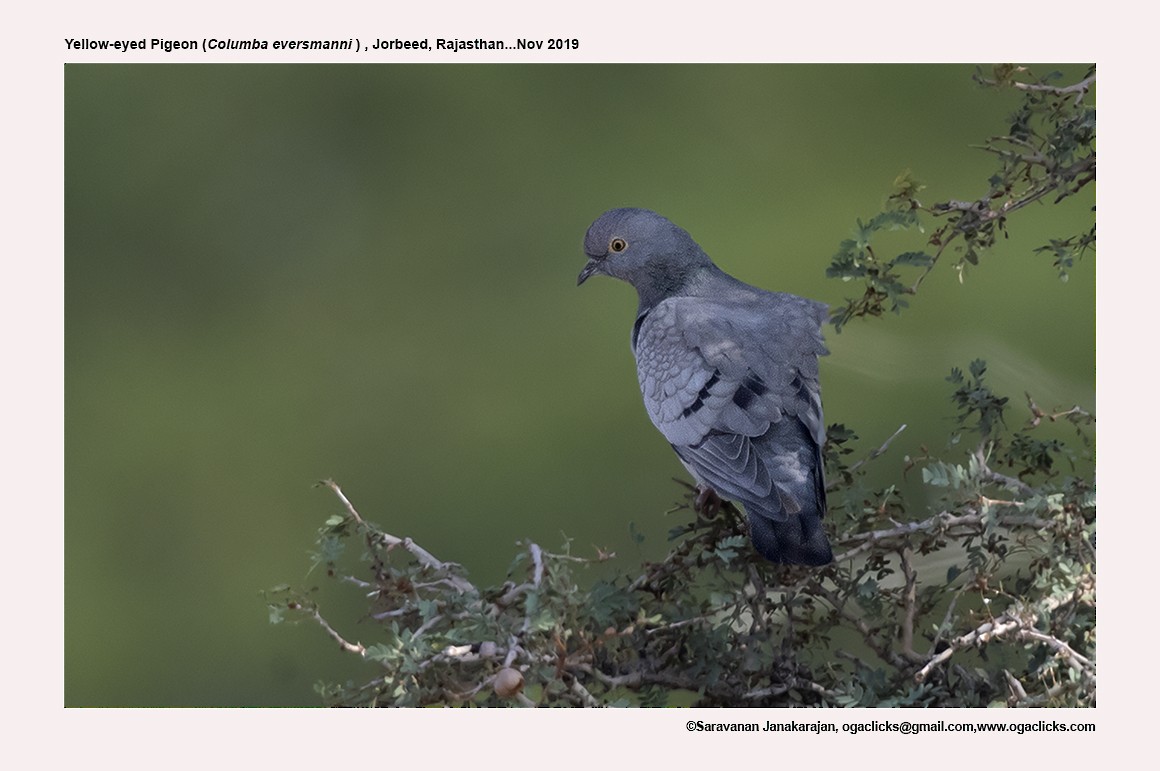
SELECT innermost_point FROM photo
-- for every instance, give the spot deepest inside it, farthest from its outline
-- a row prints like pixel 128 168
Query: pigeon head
pixel 643 248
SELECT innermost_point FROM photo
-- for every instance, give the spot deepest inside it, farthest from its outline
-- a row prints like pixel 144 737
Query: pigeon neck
pixel 667 281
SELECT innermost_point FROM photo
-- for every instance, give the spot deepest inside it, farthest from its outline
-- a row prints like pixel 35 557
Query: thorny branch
pixel 1021 626
pixel 770 604
pixel 422 555
pixel 579 667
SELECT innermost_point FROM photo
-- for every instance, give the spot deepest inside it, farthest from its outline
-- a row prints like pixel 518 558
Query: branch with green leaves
pixel 1047 153
pixel 714 624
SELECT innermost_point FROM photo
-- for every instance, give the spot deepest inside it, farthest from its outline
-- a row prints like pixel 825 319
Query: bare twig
pixel 423 556
pixel 586 698
pixel 868 635
pixel 779 690
pixel 987 474
pixel 910 597
pixel 356 648
pixel 677 624
pixel 1079 89
pixel 514 650
pixel 944 521
pixel 944 243
pixel 537 577
pixel 428 624
pixel 1021 626
pixel 754 602
pixel 873 454
pixel 992 629
pixel 946 622
pixel 1017 691
pixel 1080 663
pixel 538 561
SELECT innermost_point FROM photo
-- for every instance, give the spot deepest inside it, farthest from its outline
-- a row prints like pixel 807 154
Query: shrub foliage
pixel 1010 622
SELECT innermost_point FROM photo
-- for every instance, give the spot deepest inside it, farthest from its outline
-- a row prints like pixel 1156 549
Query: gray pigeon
pixel 729 374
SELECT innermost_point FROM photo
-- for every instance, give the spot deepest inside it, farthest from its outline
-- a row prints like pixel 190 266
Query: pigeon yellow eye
pixel 618 245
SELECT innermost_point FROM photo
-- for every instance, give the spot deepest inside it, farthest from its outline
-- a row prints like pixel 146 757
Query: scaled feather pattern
pixel 729 375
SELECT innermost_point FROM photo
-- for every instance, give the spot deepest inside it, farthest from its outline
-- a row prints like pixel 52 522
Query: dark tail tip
pixel 800 540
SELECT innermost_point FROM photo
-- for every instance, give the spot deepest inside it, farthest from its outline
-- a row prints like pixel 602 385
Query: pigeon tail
pixel 799 540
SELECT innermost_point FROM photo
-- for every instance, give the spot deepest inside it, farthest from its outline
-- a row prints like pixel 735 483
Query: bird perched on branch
pixel 729 374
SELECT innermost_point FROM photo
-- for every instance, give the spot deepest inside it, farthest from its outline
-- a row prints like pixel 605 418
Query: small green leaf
pixel 917 259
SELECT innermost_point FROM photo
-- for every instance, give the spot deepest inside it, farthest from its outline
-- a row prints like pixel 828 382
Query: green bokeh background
pixel 276 274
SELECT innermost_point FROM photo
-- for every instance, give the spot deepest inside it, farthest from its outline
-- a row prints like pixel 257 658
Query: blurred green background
pixel 276 274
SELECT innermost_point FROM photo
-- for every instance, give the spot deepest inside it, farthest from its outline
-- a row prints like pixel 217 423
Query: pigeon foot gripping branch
pixel 729 375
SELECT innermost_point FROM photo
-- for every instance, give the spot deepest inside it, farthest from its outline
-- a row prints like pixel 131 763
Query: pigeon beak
pixel 592 267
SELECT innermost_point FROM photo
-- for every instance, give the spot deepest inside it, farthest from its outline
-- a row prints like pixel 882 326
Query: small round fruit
pixel 508 682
